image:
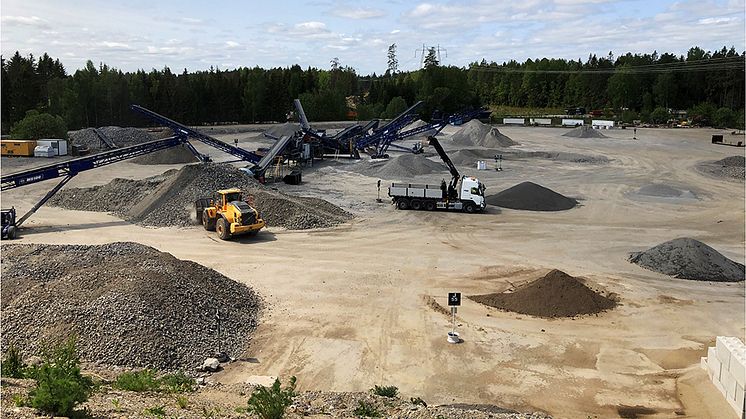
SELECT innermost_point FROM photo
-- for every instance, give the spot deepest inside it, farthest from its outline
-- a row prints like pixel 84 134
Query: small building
pixel 514 121
pixel 18 147
pixel 58 145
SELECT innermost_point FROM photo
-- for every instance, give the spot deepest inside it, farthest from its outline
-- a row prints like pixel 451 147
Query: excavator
pixel 228 214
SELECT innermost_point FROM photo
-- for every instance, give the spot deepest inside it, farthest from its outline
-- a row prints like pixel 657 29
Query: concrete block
pixel 703 363
pixel 729 384
pixel 724 346
pixel 740 395
pixel 737 367
pixel 737 408
pixel 713 363
pixel 720 387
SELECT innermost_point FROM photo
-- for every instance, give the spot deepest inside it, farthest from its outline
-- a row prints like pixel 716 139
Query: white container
pixel 514 121
pixel 43 151
pixel 541 121
pixel 572 122
pixel 602 124
pixel 453 337
pixel 58 145
pixel 481 165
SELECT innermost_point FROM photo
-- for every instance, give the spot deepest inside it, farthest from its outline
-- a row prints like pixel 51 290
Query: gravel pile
pixel 469 156
pixel 475 133
pixel 174 155
pixel 584 131
pixel 168 199
pixel 556 294
pixel 688 258
pixel 660 190
pixel 128 304
pixel 532 197
pixel 401 167
pixel 121 137
pixel 280 130
pixel 728 168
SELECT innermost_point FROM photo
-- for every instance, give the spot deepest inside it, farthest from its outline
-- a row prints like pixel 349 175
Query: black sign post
pixel 454 300
pixel 379 191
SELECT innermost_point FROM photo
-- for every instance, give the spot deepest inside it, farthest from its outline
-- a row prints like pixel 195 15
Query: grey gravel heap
pixel 168 199
pixel 730 168
pixel 584 131
pixel 122 137
pixel 128 304
pixel 688 258
pixel 475 133
pixel 401 167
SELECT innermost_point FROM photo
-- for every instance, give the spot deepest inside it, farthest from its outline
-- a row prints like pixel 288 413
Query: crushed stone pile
pixel 688 258
pixel 532 197
pixel 399 167
pixel 732 167
pixel 556 294
pixel 174 155
pixel 584 131
pixel 416 124
pixel 475 133
pixel 281 130
pixel 127 303
pixel 121 137
pixel 168 199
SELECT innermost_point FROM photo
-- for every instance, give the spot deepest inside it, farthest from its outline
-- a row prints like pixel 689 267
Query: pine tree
pixel 393 62
pixel 431 59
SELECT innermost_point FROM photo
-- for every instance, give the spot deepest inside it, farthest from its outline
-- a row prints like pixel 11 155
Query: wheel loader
pixel 228 214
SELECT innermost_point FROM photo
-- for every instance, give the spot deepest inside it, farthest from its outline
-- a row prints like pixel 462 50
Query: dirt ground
pixel 351 306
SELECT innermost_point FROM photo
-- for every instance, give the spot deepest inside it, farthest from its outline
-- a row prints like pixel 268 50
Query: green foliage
pixel 116 403
pixel 629 116
pixel 385 391
pixel 13 365
pixel 270 403
pixel 366 409
pixel 144 380
pixel 724 118
pixel 702 114
pixel 59 384
pixel 368 112
pixel 158 411
pixel 19 400
pixel 659 115
pixel 396 106
pixel 326 105
pixel 37 125
pixel 182 402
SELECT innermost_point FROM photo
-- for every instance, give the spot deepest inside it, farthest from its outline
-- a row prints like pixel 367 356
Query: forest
pixel 708 84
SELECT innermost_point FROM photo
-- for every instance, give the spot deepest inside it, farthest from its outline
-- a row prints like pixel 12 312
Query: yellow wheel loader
pixel 228 214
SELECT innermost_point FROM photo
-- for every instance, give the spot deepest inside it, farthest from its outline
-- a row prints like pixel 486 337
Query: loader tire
pixel 207 222
pixel 223 229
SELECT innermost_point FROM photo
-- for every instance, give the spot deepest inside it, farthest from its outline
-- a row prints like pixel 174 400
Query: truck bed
pixel 414 190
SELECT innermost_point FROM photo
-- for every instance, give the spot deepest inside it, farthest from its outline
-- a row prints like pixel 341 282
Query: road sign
pixel 454 298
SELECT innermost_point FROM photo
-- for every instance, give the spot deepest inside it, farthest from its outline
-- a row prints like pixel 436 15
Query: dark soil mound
pixel 584 131
pixel 532 197
pixel 127 304
pixel 688 258
pixel 556 294
pixel 174 155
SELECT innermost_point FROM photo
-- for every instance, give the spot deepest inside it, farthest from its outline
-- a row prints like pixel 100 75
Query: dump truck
pixel 228 214
pixel 463 193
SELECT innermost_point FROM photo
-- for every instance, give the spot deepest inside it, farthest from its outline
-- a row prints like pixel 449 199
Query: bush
pixel 659 115
pixel 37 125
pixel 385 391
pixel 59 384
pixel 13 365
pixel 396 106
pixel 270 403
pixel 137 381
pixel 158 411
pixel 177 383
pixel 366 409
pixel 724 118
pixel 702 114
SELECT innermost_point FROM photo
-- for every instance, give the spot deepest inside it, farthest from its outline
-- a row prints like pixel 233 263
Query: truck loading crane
pixel 462 193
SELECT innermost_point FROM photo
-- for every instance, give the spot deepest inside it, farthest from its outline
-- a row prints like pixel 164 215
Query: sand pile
pixel 128 304
pixel 556 294
pixel 475 133
pixel 168 199
pixel 281 130
pixel 728 168
pixel 401 167
pixel 688 258
pixel 121 137
pixel 584 131
pixel 174 155
pixel 532 197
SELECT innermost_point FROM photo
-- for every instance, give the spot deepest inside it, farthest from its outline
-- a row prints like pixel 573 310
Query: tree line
pixel 632 86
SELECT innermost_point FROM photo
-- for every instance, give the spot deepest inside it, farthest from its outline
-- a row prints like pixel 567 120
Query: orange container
pixel 18 147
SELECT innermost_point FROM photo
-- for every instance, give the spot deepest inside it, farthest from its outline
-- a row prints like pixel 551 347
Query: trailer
pixel 463 193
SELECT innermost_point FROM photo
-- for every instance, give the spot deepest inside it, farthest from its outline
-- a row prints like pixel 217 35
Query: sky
pixel 196 35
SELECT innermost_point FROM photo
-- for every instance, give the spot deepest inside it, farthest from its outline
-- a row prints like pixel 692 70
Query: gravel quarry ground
pixel 356 305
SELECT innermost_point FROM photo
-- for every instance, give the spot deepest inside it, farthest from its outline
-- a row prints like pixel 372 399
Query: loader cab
pixel 226 196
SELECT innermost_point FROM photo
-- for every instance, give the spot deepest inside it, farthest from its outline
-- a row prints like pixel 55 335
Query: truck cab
pixel 473 190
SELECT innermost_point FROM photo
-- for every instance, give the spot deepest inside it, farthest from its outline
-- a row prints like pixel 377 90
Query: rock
pixel 33 361
pixel 211 365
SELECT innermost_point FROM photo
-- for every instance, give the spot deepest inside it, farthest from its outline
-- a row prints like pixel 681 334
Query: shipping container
pixel 59 145
pixel 18 147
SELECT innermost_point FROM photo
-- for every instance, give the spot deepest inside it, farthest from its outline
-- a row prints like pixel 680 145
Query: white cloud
pixel 114 45
pixel 191 20
pixel 232 44
pixel 358 13
pixel 25 21
pixel 715 20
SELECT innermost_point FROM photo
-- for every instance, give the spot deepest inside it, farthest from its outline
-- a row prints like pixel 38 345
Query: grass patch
pixel 366 409
pixel 147 380
pixel 271 402
pixel 385 391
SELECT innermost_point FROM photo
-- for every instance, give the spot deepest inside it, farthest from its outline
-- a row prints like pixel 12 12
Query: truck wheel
pixel 222 229
pixel 429 205
pixel 416 205
pixel 11 233
pixel 469 207
pixel 402 204
pixel 207 222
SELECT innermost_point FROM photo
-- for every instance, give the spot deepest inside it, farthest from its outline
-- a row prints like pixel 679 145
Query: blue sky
pixel 226 34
